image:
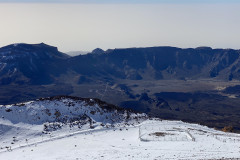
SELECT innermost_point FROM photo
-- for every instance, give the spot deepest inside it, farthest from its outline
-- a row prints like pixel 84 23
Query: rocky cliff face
pixel 161 63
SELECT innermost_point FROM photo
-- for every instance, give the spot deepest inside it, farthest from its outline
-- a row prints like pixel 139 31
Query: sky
pixel 83 25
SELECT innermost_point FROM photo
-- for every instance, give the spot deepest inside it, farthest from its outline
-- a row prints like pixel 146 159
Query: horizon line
pixel 172 46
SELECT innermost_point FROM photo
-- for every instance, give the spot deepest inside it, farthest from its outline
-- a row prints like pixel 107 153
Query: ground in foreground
pixel 177 140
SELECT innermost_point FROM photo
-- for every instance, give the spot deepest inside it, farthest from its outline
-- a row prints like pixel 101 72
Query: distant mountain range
pixel 76 53
pixel 43 64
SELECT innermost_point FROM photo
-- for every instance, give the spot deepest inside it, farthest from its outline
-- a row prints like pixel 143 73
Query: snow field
pixel 123 143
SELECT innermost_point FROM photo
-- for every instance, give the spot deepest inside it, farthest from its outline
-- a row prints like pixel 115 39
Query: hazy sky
pixel 87 24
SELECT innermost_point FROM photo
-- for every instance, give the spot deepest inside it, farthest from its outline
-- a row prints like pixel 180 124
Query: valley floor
pixel 182 141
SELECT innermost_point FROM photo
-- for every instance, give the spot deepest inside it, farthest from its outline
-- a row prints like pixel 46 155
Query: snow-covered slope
pixel 55 116
pixel 65 109
pixel 78 128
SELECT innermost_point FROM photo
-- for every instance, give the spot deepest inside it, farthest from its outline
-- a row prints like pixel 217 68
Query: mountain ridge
pixel 30 63
pixel 131 63
pixel 163 63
